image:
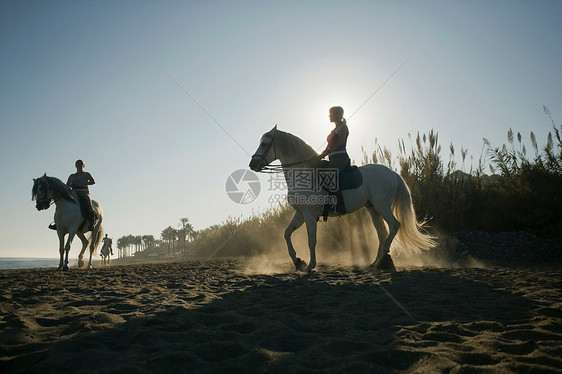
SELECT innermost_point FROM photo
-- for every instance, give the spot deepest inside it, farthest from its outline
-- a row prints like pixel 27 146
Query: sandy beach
pixel 222 315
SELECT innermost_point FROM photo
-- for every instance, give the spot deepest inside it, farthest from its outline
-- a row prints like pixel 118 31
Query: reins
pixel 279 168
pixel 52 200
pixel 272 169
pixel 55 197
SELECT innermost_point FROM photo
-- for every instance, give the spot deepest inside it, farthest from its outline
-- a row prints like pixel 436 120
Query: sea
pixel 28 263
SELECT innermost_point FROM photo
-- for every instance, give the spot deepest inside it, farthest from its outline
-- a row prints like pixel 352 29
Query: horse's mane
pixel 57 186
pixel 60 189
pixel 296 143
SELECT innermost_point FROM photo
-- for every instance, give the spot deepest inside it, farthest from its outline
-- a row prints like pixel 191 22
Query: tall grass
pixel 528 196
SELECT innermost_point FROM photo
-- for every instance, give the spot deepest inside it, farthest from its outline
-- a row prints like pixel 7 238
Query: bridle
pixel 276 168
pixel 46 200
pixel 267 168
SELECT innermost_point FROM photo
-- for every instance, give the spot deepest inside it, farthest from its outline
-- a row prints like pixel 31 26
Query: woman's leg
pixel 87 207
pixel 340 162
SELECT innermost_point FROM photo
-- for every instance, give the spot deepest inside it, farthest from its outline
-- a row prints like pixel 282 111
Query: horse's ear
pixel 274 128
pixel 45 175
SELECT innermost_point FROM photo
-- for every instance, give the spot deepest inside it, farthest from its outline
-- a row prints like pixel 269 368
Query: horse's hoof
pixel 300 265
pixel 309 270
pixel 59 268
pixel 80 263
pixel 385 264
pixel 65 268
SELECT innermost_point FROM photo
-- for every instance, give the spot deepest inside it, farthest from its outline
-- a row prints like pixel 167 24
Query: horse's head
pixel 42 193
pixel 266 152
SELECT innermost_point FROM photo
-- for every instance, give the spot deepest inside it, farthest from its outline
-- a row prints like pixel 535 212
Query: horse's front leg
pixel 311 227
pixel 296 222
pixel 61 250
pixel 67 250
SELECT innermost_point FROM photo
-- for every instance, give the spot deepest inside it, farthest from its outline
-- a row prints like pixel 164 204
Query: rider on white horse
pixel 108 243
pixel 381 191
pixel 336 151
pixel 79 182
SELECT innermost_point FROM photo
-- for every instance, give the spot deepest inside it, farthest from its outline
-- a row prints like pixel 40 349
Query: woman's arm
pixel 90 179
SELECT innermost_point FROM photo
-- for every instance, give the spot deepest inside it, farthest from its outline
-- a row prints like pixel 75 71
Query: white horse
pixel 383 193
pixel 68 217
pixel 106 249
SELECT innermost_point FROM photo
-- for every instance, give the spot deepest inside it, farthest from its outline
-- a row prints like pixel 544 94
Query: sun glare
pixel 307 98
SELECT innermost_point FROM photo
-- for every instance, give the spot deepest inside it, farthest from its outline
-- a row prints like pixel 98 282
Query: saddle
pixel 349 178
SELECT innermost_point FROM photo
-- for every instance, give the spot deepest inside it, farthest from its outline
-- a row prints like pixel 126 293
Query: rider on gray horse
pixel 79 182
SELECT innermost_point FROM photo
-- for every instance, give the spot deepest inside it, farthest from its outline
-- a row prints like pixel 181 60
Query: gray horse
pixel 68 217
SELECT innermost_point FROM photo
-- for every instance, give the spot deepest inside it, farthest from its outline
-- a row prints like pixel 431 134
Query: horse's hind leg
pixel 84 246
pixel 382 232
pixel 67 250
pixel 311 228
pixel 94 240
pixel 393 226
pixel 92 243
pixel 296 222
pixel 384 261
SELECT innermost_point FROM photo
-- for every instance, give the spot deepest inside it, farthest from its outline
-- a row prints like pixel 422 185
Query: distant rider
pixel 108 243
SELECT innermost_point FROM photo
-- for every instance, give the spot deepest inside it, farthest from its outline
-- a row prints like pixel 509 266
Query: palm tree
pixel 169 235
pixel 182 233
pixel 186 233
pixel 148 241
pixel 138 244
pixel 130 244
pixel 122 244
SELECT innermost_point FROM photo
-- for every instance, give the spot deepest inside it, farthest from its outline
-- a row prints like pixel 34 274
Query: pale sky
pixel 89 80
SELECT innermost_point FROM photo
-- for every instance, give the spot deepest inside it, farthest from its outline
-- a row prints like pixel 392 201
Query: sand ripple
pixel 212 316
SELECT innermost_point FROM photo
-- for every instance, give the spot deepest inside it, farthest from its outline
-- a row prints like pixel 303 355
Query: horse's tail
pixel 98 238
pixel 409 233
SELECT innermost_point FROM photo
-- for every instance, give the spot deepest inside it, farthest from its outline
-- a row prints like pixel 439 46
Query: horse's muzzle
pixel 42 204
pixel 256 164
